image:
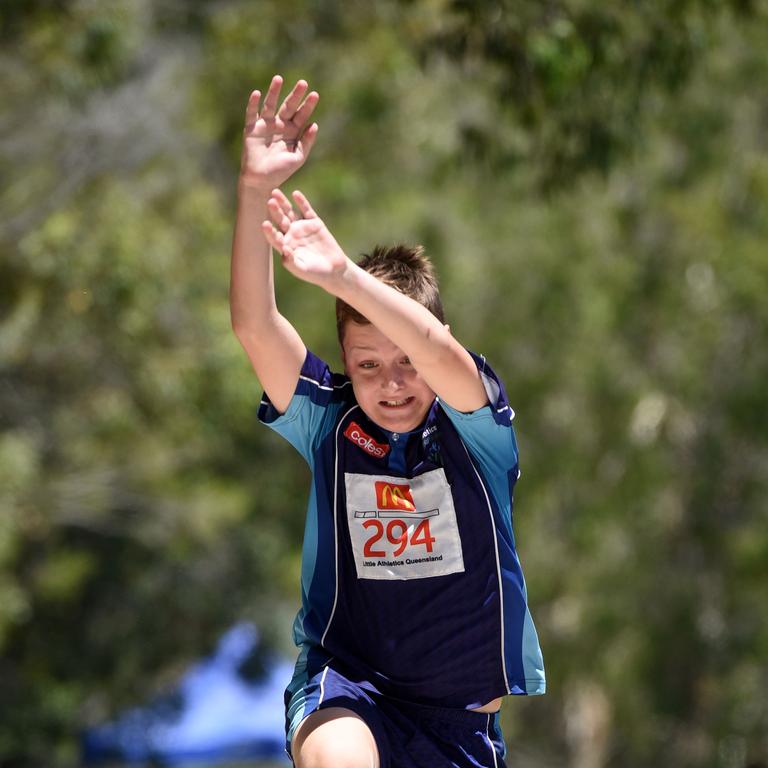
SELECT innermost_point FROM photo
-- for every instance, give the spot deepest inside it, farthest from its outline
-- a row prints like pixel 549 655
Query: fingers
pixel 277 241
pixel 285 204
pixel 292 101
pixel 282 216
pixel 252 110
pixel 303 205
pixel 307 140
pixel 283 201
pixel 302 114
pixel 270 101
pixel 292 108
pixel 281 211
pixel 274 238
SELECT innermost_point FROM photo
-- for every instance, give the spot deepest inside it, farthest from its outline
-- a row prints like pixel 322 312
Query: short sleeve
pixel 487 432
pixel 313 409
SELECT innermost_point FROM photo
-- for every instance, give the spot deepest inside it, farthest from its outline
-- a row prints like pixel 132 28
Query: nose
pixel 393 379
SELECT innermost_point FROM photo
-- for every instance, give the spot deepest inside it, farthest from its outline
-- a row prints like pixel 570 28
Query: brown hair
pixel 406 269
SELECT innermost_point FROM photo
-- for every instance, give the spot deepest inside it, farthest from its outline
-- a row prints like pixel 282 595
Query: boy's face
pixel 386 385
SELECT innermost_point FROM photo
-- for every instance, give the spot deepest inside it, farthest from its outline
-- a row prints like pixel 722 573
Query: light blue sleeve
pixel 313 409
pixel 488 432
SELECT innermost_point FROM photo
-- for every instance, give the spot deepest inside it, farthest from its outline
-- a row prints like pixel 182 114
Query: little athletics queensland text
pixel 406 561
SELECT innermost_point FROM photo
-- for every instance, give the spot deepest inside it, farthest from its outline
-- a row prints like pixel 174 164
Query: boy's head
pixel 406 269
pixel 387 387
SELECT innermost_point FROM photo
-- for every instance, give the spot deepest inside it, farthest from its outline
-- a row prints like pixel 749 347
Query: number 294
pixel 396 533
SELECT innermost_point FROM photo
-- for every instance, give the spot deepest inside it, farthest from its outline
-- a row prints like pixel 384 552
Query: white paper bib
pixel 403 529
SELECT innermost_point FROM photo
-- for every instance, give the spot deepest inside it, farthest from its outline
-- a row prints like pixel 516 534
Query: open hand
pixel 309 250
pixel 276 142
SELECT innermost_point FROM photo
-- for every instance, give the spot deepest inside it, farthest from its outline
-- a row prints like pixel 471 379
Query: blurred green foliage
pixel 591 180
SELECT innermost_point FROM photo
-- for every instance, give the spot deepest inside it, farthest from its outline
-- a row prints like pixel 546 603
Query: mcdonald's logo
pixel 394 496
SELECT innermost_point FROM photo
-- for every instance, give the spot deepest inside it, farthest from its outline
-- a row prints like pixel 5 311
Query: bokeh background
pixel 591 180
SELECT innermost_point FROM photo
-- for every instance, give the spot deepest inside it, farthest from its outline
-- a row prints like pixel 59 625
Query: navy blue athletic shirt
pixel 410 577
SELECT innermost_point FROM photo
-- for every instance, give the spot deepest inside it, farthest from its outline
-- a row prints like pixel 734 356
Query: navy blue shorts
pixel 407 735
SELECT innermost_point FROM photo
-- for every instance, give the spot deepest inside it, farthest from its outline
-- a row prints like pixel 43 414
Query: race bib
pixel 403 529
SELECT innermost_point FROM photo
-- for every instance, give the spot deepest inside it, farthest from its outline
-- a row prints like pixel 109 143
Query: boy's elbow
pixel 239 326
pixel 443 348
pixel 251 338
pixel 244 332
pixel 237 317
pixel 247 326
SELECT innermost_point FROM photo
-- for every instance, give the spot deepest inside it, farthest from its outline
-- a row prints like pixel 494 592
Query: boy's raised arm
pixel 311 253
pixel 276 142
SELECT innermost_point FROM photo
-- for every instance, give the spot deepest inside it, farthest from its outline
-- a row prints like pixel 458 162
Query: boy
pixel 414 620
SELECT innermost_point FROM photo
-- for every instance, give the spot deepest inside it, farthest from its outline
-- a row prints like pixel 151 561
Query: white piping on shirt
pixel 336 521
pixel 498 566
pixel 321 386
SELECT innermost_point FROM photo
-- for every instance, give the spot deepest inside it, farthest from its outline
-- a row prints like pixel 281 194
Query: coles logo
pixel 394 496
pixel 366 442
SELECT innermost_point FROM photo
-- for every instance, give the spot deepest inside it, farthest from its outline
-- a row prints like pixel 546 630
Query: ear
pixel 447 327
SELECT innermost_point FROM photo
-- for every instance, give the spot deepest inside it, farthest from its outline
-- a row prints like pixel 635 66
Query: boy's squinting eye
pixel 367 364
pixel 406 361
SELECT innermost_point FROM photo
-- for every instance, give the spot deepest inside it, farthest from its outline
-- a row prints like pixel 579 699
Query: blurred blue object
pixel 216 714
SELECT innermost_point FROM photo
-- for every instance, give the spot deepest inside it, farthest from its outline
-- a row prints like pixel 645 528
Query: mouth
pixel 396 403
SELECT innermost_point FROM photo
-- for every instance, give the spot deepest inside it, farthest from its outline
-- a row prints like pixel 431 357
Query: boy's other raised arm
pixel 276 143
pixel 312 254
